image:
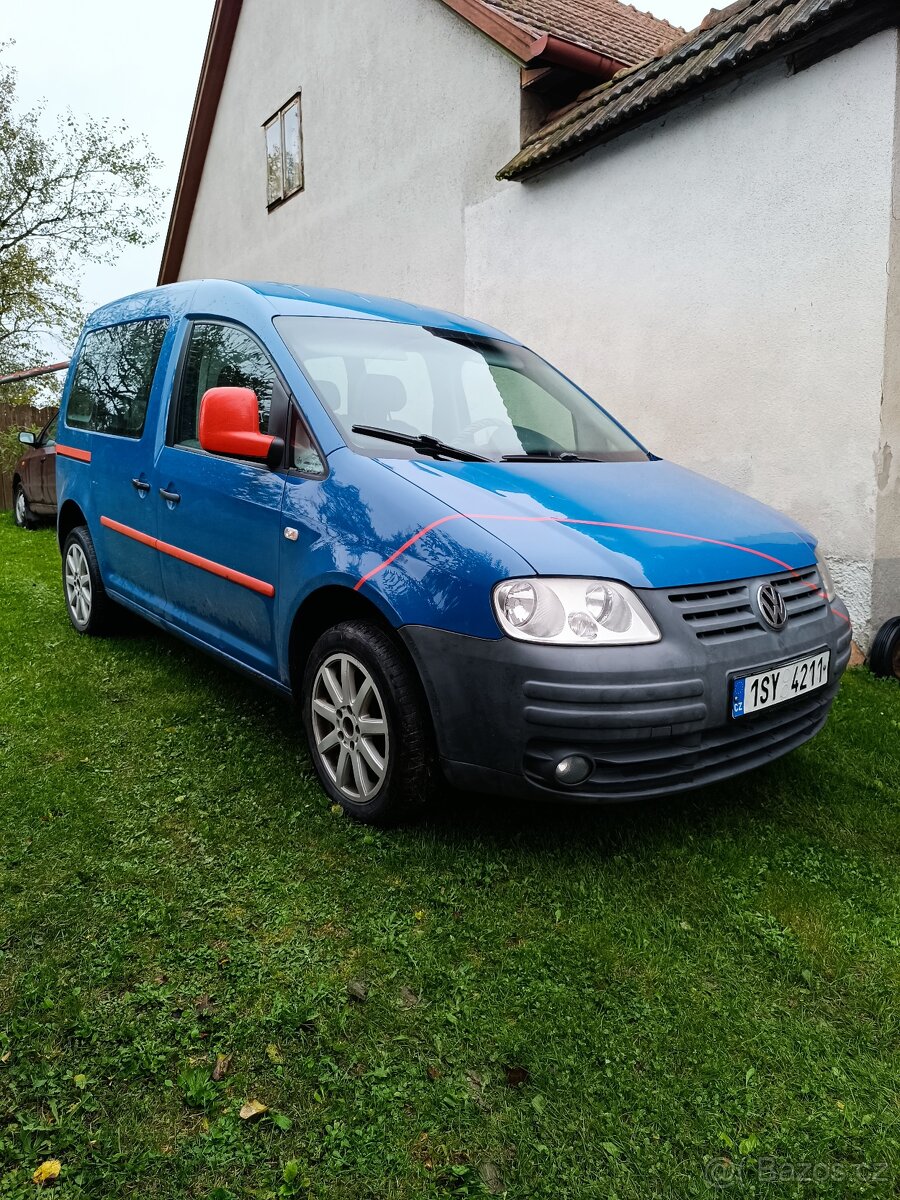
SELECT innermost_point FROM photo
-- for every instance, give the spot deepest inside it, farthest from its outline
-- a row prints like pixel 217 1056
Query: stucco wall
pixel 886 582
pixel 719 280
pixel 407 115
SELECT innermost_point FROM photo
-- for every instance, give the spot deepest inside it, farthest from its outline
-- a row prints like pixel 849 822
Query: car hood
pixel 648 524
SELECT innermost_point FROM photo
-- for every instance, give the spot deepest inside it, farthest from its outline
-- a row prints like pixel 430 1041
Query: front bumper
pixel 652 719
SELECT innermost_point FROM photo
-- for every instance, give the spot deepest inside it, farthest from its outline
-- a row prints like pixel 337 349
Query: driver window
pixel 49 436
pixel 220 356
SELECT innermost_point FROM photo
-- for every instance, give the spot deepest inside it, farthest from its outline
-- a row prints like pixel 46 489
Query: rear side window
pixel 114 376
pixel 220 356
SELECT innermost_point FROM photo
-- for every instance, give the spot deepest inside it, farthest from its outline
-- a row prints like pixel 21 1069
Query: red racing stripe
pixel 196 560
pixel 73 452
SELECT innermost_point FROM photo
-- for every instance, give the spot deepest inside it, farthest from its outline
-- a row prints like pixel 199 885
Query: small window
pixel 284 153
pixel 114 376
pixel 220 356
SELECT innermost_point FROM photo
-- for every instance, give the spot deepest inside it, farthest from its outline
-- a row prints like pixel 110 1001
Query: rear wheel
pixel 88 605
pixel 366 723
pixel 22 511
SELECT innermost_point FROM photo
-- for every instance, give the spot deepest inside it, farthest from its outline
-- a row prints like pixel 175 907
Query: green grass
pixel 552 1002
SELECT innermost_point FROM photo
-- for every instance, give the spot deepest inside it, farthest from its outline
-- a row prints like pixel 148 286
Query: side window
pixel 114 376
pixel 49 438
pixel 304 455
pixel 220 356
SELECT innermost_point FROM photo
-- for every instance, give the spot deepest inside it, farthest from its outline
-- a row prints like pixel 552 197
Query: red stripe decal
pixel 73 452
pixel 196 560
pixel 691 537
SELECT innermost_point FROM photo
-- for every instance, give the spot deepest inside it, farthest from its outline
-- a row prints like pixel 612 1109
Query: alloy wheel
pixel 21 507
pixel 78 584
pixel 350 727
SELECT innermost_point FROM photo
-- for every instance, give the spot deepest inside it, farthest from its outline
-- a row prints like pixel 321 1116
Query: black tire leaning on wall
pixel 884 657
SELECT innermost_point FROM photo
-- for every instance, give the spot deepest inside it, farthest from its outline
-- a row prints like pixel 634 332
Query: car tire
pixel 367 723
pixel 87 603
pixel 884 657
pixel 23 515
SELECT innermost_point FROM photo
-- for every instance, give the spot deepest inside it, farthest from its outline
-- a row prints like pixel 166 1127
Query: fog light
pixel 573 769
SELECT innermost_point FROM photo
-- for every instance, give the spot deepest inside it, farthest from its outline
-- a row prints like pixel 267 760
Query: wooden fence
pixel 15 416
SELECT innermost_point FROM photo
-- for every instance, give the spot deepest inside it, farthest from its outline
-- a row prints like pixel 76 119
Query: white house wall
pixel 407 114
pixel 719 281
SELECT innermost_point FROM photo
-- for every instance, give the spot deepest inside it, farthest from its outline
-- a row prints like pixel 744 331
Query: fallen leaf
pixel 433 1073
pixel 516 1076
pixel 357 990
pixel 4 1058
pixel 220 1070
pixel 204 1006
pixel 419 914
pixel 408 997
pixel 274 1054
pixel 490 1177
pixel 475 1088
pixel 253 1108
pixel 47 1172
pixel 336 809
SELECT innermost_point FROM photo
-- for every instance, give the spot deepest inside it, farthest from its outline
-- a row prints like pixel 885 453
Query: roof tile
pixel 738 34
pixel 608 27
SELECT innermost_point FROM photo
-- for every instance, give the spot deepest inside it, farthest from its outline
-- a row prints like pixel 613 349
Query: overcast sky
pixel 140 63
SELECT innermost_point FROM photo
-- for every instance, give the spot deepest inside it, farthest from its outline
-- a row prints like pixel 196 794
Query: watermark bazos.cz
pixel 723 1172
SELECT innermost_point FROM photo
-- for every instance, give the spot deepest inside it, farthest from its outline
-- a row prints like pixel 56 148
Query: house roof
pixel 618 30
pixel 747 32
pixel 595 38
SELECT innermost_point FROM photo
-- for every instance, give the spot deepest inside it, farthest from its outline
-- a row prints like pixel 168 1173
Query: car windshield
pixel 489 398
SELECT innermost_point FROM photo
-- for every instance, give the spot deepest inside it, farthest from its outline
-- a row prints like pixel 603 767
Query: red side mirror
pixel 229 423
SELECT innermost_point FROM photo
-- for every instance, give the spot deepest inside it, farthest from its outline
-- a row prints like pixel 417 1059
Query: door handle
pixel 169 497
pixel 141 484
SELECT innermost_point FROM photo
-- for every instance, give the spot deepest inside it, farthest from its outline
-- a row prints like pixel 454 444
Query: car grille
pixel 725 613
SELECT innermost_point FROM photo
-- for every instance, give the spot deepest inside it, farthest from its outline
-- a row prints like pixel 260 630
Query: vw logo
pixel 772 606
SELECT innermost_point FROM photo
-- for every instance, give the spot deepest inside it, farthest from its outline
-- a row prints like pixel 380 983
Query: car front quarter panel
pixel 347 530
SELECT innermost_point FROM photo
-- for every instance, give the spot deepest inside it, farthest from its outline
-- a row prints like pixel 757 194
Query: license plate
pixel 753 692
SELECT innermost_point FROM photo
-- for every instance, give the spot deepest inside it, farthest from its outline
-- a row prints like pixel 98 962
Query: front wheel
pixel 23 513
pixel 88 605
pixel 366 723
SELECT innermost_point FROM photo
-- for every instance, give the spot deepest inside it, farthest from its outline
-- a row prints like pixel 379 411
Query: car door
pixel 220 517
pixel 48 465
pixel 115 397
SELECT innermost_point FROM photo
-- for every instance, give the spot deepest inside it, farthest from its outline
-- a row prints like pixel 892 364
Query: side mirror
pixel 229 424
pixel 26 437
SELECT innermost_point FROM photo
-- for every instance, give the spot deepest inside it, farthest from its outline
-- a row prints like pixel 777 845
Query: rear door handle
pixel 141 484
pixel 169 497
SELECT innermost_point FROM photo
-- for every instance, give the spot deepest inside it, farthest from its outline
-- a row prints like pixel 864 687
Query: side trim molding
pixel 73 452
pixel 195 560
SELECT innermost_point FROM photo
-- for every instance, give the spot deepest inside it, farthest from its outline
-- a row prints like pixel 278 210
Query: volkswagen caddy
pixel 451 556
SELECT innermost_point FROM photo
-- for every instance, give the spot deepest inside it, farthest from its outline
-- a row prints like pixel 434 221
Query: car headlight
pixel 825 577
pixel 573 612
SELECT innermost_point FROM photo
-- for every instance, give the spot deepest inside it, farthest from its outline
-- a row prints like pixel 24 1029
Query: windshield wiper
pixel 423 442
pixel 545 456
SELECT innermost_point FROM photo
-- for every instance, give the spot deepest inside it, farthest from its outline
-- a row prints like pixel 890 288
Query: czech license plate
pixel 753 692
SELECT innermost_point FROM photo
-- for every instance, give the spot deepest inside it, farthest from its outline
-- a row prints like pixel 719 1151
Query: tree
pixel 80 196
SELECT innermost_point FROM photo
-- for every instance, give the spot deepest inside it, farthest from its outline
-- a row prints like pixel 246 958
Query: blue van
pixel 451 556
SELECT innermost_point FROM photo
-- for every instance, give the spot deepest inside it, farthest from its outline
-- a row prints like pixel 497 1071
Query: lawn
pixel 540 1002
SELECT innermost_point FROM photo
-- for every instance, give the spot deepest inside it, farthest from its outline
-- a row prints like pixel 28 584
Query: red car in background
pixel 34 478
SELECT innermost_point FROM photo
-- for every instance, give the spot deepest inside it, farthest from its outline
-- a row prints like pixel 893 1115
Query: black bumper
pixel 652 719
